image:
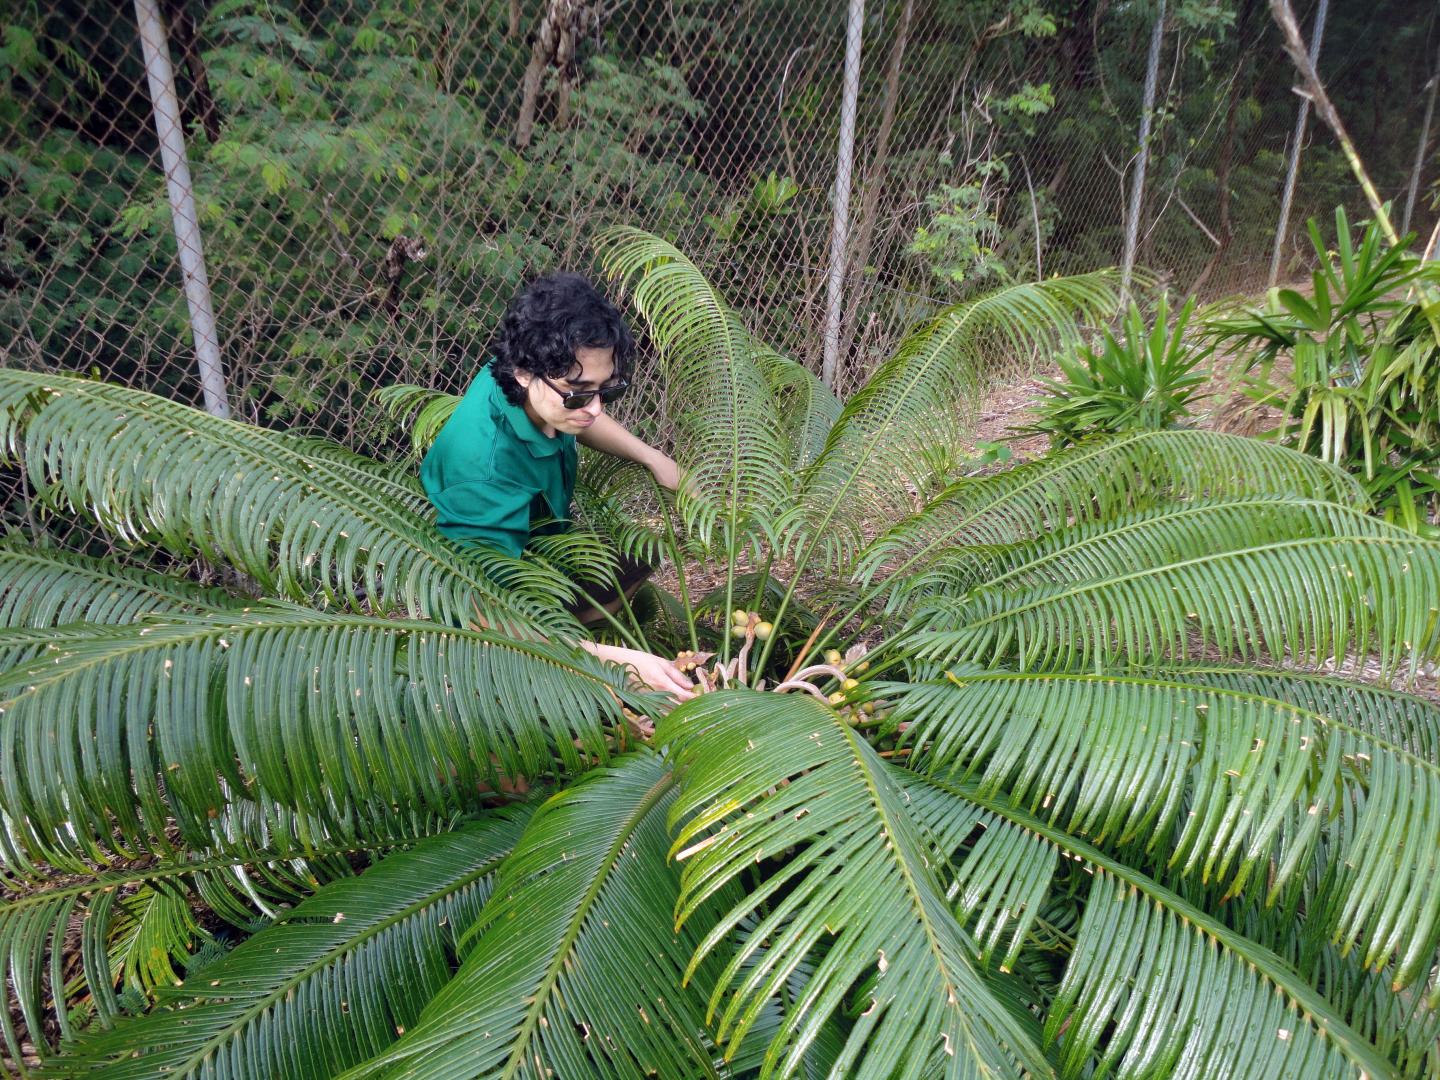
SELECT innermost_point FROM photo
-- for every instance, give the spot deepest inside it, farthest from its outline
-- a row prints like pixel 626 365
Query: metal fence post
pixel 840 222
pixel 1137 181
pixel 1317 34
pixel 168 127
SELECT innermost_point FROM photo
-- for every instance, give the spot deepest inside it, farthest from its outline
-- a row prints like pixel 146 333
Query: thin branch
pixel 1315 91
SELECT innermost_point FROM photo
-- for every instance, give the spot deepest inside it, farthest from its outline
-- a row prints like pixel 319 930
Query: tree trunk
pixel 1137 182
pixel 202 100
pixel 875 172
pixel 1325 108
pixel 1226 159
pixel 554 45
pixel 1420 147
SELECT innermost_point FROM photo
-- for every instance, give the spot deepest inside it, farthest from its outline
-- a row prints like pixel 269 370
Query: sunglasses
pixel 578 399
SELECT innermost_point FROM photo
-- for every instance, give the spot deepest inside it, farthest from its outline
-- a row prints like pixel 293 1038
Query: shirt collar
pixel 536 441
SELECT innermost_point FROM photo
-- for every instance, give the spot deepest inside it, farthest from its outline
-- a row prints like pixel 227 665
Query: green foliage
pixel 1145 380
pixel 1353 368
pixel 962 797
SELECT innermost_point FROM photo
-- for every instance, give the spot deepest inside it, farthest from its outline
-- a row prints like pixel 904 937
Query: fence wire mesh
pixel 374 180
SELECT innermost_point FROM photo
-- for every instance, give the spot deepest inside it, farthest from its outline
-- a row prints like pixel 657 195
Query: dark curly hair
pixel 546 322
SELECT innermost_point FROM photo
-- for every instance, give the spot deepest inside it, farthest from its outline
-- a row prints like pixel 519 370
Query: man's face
pixel 594 368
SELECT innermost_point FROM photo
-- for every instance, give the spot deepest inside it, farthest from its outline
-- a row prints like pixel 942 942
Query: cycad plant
pixel 1030 774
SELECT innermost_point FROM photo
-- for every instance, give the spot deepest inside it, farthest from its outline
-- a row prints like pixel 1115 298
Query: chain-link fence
pixel 373 179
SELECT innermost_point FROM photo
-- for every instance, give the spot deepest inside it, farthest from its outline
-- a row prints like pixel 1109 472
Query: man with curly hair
pixel 502 468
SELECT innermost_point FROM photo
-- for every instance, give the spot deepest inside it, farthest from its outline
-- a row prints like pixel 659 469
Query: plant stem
pixel 673 542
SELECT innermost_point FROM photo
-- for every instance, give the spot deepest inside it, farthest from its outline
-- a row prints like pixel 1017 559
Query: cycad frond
pixel 129 732
pixel 574 967
pixel 730 435
pixel 357 963
pixel 1097 481
pixel 1235 788
pixel 264 867
pixel 808 408
pixel 42 587
pixel 1308 600
pixel 425 409
pixel 763 773
pixel 1174 533
pixel 1155 985
pixel 1410 722
pixel 397 481
pixel 937 369
pixel 296 521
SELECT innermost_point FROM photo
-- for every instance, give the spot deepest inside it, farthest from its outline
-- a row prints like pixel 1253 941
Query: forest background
pixel 373 180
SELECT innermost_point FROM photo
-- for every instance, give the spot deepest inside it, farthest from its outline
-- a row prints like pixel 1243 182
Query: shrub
pixel 1144 380
pixel 1353 368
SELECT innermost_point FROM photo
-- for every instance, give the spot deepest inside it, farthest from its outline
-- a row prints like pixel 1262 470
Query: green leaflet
pixel 763 773
pixel 43 588
pixel 1097 481
pixel 333 981
pixel 1231 786
pixel 114 737
pixel 1172 990
pixel 298 520
pixel 574 967
pixel 1309 600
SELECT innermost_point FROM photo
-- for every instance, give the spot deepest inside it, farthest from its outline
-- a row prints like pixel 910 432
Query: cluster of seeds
pixel 744 622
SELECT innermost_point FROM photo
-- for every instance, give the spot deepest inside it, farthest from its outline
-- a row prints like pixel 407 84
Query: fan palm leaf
pixel 127 732
pixel 359 960
pixel 297 521
pixel 1155 985
pixel 1312 600
pixel 47 587
pixel 574 966
pixel 1234 786
pixel 763 773
pixel 937 369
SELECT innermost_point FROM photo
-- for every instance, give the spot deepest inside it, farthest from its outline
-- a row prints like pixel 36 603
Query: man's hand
pixel 654 671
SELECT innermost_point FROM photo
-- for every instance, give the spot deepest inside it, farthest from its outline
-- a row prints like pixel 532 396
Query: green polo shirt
pixel 492 474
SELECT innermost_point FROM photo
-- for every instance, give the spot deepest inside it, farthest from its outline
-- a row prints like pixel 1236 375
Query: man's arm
pixel 610 436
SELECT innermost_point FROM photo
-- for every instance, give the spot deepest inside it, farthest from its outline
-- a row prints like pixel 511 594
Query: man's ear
pixel 524 378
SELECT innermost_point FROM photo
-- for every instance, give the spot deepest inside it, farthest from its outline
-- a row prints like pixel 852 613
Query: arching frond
pixel 765 773
pixel 121 736
pixel 356 964
pixel 574 967
pixel 1097 481
pixel 265 863
pixel 1232 786
pixel 937 368
pixel 1155 986
pixel 42 587
pixel 398 481
pixel 1309 600
pixel 808 408
pixel 1173 533
pixel 1410 722
pixel 296 521
pixel 425 409
pixel 730 434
